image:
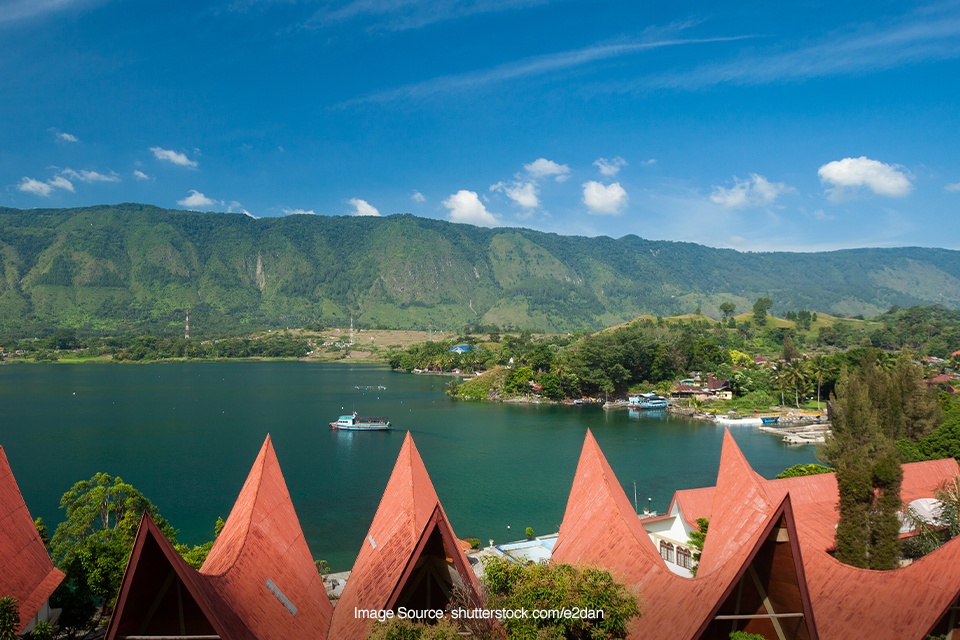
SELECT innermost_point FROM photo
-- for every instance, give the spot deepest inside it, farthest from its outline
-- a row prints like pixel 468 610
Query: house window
pixel 666 550
pixel 684 559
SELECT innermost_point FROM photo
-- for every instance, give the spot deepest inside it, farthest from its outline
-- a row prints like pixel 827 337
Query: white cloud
pixel 44 189
pixel 90 176
pixel 140 175
pixel 542 168
pixel 173 156
pixel 851 174
pixel 649 162
pixel 35 187
pixel 465 206
pixel 755 192
pixel 61 183
pixel 953 187
pixel 362 208
pixel 610 167
pixel 604 200
pixel 239 207
pixel 418 197
pixel 61 136
pixel 820 215
pixel 197 199
pixel 299 212
pixel 523 193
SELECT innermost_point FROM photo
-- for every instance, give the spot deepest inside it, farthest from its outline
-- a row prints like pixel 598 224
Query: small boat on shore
pixel 354 422
pixel 770 419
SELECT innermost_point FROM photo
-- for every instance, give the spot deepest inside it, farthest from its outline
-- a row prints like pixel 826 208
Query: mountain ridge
pixel 135 267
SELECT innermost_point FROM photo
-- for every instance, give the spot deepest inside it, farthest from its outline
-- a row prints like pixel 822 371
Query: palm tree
pixel 780 379
pixel 796 375
pixel 820 366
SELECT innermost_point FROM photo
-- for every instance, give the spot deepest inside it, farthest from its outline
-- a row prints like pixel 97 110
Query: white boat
pixel 353 422
pixel 647 401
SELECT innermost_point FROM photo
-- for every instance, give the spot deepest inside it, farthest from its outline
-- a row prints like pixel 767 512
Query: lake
pixel 186 436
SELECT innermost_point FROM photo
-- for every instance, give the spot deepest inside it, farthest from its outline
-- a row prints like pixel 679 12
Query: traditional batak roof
pixel 26 571
pixel 911 602
pixel 409 531
pixel 601 528
pixel 258 581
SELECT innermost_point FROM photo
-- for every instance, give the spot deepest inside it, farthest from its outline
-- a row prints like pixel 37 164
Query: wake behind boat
pixel 354 422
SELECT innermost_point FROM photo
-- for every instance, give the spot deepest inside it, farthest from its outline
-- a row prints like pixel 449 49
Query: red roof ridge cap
pixel 244 526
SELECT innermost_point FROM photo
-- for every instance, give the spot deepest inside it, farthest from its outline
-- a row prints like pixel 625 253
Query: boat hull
pixel 379 427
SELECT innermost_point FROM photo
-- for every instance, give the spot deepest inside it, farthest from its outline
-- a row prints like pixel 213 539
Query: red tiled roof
pixel 259 580
pixel 262 540
pixel 941 378
pixel 600 528
pixel 147 604
pixel 26 571
pixel 408 513
pixel 850 602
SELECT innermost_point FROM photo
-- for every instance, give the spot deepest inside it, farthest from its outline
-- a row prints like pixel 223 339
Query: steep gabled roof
pixel 26 571
pixel 601 528
pixel 259 580
pixel 740 507
pixel 408 519
pixel 261 564
pixel 162 595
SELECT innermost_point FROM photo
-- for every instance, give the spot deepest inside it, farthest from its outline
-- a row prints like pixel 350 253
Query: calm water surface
pixel 187 434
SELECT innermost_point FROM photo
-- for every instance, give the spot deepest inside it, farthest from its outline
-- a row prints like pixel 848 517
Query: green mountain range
pixel 131 267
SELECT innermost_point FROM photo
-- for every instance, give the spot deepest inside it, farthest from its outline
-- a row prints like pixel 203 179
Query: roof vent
pixel 282 598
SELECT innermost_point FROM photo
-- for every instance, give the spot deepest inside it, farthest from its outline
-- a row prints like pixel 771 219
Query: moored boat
pixel 770 419
pixel 354 422
pixel 647 401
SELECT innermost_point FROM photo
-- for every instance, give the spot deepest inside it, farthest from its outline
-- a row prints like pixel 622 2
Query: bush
pixel 798 470
pixel 9 618
pixel 474 543
pixel 397 629
pixel 553 586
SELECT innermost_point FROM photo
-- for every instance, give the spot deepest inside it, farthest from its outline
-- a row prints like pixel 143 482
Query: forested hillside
pixel 137 268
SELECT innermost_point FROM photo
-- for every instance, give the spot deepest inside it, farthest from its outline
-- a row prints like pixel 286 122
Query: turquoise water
pixel 186 435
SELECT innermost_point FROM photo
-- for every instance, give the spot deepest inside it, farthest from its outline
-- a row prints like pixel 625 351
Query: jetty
pixel 815 433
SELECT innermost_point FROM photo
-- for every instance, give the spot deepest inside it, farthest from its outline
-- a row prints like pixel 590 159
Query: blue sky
pixel 757 126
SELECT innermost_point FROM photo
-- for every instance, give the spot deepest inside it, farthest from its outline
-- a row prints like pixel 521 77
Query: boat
pixel 353 422
pixel 739 422
pixel 770 419
pixel 647 401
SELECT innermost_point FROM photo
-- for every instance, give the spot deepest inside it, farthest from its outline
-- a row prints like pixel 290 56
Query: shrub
pixel 398 629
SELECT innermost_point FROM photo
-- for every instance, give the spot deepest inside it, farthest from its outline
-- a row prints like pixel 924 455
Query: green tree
pixel 728 309
pixel 760 308
pixel 9 618
pixel 868 477
pixel 697 538
pixel 796 377
pixel 555 586
pixel 790 351
pixel 42 532
pixel 102 515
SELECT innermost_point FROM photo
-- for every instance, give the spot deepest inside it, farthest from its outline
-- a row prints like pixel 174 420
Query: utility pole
pixel 636 509
pixel 186 327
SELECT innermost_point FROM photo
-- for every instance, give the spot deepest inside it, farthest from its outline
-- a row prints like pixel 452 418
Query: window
pixel 684 558
pixel 666 550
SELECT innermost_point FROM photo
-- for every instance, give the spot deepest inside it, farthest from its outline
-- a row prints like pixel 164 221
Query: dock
pixel 801 434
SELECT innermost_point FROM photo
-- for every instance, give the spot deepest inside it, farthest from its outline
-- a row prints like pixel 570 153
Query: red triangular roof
pixel 155 583
pixel 601 528
pixel 262 541
pixel 850 602
pixel 409 511
pixel 259 579
pixel 26 571
pixel 740 506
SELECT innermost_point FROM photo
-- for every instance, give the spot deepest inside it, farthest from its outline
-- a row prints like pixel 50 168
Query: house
pixel 26 571
pixel 766 566
pixel 259 581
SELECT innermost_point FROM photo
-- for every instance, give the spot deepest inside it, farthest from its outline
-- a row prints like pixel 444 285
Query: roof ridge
pixel 245 524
